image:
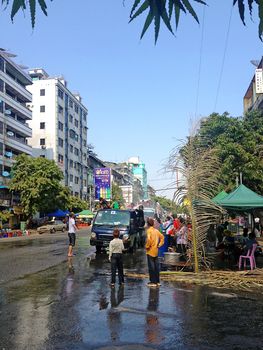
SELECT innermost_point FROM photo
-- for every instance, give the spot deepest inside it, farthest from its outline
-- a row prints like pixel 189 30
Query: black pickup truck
pixel 104 223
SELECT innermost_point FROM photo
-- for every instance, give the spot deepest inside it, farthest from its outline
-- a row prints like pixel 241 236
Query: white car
pixel 52 227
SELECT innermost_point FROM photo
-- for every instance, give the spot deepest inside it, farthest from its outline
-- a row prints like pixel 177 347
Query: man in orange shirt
pixel 154 241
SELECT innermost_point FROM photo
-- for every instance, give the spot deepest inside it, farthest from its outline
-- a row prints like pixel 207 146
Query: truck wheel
pixel 52 230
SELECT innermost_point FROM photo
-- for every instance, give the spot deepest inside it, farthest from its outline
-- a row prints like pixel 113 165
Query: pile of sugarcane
pixel 239 280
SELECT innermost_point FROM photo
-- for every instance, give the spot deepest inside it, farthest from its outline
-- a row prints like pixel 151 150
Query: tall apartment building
pixel 59 125
pixel 140 173
pixel 14 116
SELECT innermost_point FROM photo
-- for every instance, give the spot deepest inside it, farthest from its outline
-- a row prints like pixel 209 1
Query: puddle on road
pixel 71 306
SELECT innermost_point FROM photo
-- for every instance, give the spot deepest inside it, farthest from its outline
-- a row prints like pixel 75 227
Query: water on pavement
pixel 71 306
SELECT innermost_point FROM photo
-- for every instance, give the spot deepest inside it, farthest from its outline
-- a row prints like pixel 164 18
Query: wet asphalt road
pixel 71 306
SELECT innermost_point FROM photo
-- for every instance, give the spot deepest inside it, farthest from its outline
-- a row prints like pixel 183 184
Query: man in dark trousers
pixel 153 242
pixel 141 223
pixel 116 248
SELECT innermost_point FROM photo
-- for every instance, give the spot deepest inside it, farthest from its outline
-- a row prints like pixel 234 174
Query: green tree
pixel 166 203
pixel 239 145
pixel 117 194
pixel 76 204
pixel 38 181
pixel 158 11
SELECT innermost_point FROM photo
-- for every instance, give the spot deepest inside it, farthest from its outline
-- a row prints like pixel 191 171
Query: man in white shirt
pixel 72 228
pixel 115 256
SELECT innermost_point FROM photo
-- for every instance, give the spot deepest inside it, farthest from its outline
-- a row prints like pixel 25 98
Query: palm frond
pixel 198 169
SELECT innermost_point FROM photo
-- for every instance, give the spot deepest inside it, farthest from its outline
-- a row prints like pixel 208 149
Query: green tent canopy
pixel 241 198
pixel 85 214
pixel 220 196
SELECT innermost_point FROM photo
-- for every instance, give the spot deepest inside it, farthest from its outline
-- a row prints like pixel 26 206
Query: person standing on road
pixel 72 228
pixel 116 248
pixel 141 223
pixel 154 241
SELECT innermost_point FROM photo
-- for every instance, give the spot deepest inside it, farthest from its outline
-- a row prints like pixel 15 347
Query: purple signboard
pixel 102 183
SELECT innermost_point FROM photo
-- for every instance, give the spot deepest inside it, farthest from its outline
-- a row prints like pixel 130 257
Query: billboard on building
pixel 259 81
pixel 102 183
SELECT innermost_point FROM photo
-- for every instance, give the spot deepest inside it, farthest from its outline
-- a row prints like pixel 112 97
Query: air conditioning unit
pixel 71 184
pixel 43 147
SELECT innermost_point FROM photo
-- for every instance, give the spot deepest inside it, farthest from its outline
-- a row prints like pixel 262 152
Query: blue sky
pixel 141 96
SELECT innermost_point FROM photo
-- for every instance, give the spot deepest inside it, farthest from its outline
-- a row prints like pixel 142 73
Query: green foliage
pixel 38 180
pixel 158 11
pixel 117 194
pixel 166 204
pixel 5 215
pixel 162 10
pixel 239 144
pixel 76 204
pixel 23 4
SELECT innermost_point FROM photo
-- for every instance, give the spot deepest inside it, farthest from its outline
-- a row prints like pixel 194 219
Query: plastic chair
pixel 251 256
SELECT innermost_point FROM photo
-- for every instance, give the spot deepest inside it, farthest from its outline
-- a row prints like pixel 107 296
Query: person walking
pixel 116 248
pixel 153 242
pixel 72 228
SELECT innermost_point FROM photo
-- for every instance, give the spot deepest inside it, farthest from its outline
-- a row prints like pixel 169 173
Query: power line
pixel 224 56
pixel 200 63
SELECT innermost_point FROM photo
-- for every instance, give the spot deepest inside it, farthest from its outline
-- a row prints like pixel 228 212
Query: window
pixel 72 134
pixel 60 158
pixel 42 92
pixel 84 156
pixel 42 125
pixel 70 177
pixel 60 126
pixel 42 156
pixel 76 137
pixel 1 85
pixel 76 108
pixel 76 180
pixel 42 142
pixel 71 163
pixel 60 109
pixel 71 118
pixel 1 127
pixel 70 103
pixel 76 194
pixel 60 142
pixel 42 109
pixel 1 148
pixel 84 143
pixel 76 123
pixel 85 183
pixel 85 116
pixel 76 151
pixel 71 148
pixel 2 64
pixel 60 93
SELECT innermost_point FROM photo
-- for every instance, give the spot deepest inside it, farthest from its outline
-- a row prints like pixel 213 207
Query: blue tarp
pixel 59 213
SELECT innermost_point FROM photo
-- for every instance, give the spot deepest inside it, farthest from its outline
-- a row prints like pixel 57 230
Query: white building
pixel 14 114
pixel 59 126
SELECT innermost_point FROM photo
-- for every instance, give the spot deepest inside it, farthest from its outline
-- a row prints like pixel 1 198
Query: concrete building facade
pixel 14 118
pixel 59 125
pixel 253 98
pixel 140 173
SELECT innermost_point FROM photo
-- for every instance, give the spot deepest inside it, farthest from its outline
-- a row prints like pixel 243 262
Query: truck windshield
pixel 112 218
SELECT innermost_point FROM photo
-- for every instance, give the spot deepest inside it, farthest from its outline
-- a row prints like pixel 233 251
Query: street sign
pixel 102 183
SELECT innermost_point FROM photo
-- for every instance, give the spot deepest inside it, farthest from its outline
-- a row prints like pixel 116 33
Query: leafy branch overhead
pixel 166 11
